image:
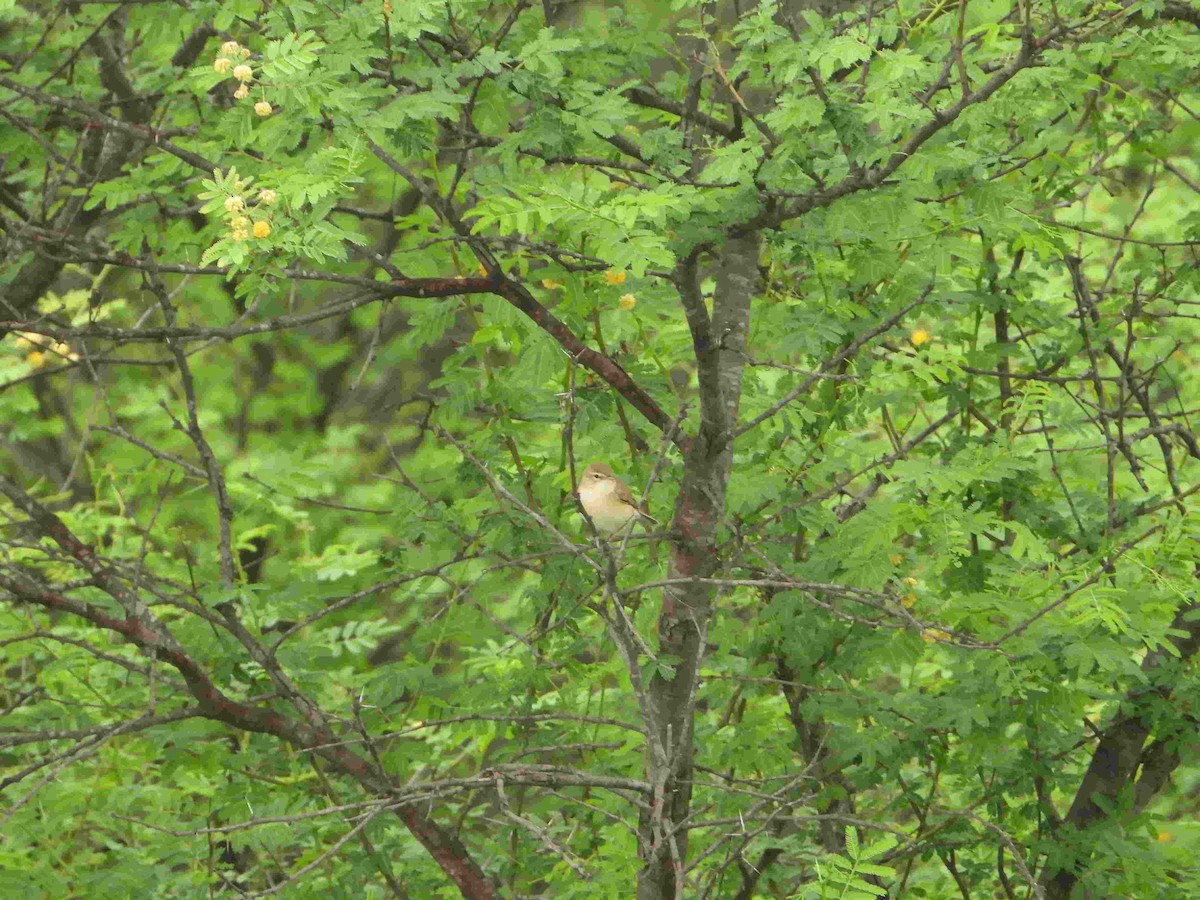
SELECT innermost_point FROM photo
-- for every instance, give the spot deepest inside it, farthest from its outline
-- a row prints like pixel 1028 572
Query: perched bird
pixel 608 500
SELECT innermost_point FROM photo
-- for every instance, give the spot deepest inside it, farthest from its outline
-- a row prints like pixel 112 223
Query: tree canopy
pixel 315 312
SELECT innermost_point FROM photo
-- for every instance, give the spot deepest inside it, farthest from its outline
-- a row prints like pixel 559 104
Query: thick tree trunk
pixel 1120 754
pixel 720 343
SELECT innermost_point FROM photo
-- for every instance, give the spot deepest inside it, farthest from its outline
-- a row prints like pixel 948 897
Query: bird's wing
pixel 625 495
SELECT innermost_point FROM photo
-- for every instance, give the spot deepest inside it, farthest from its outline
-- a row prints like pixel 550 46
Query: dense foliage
pixel 315 313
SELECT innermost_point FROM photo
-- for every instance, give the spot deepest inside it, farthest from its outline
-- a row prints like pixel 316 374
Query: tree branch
pixel 147 633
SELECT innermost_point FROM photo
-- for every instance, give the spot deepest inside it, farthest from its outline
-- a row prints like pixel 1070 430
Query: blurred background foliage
pixel 954 565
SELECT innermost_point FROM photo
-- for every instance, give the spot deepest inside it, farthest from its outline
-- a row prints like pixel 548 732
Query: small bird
pixel 608 500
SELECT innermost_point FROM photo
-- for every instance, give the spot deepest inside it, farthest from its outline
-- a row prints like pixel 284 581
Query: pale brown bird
pixel 608 500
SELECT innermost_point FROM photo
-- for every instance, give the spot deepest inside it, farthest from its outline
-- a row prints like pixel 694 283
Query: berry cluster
pixel 43 349
pixel 241 225
pixel 242 71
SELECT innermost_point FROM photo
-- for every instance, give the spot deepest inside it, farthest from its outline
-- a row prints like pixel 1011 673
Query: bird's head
pixel 596 474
